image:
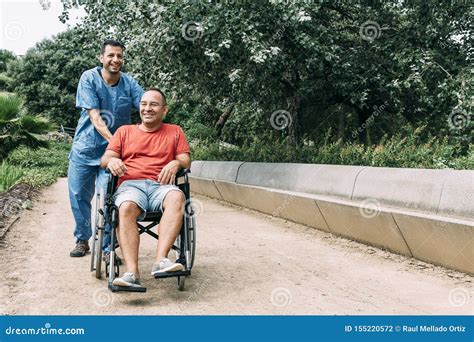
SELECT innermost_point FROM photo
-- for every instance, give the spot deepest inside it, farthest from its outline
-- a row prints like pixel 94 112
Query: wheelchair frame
pixel 107 213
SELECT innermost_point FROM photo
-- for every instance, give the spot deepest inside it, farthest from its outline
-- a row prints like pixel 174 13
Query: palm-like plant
pixel 19 128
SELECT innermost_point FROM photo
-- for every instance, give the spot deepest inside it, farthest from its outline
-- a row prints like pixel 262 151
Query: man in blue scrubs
pixel 106 96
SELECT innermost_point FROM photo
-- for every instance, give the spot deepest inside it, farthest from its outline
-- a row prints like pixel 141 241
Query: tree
pixel 5 57
pixel 47 76
pixel 313 66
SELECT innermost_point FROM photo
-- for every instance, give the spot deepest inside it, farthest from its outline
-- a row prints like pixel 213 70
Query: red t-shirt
pixel 146 153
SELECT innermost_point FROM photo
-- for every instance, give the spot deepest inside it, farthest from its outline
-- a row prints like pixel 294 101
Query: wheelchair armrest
pixel 113 180
pixel 112 184
pixel 182 172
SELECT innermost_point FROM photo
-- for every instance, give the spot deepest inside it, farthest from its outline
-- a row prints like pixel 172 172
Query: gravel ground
pixel 247 263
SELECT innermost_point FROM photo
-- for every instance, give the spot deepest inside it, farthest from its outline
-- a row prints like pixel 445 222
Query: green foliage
pixel 316 60
pixel 50 87
pixel 42 166
pixel 227 66
pixel 9 176
pixel 18 128
pixel 10 107
pixel 467 162
pixel 5 82
pixel 407 152
pixel 5 58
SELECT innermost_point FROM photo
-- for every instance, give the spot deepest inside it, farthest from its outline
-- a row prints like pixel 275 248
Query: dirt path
pixel 246 263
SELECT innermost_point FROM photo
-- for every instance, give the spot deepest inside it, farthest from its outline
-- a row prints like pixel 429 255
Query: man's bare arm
pixel 168 174
pixel 99 124
pixel 112 161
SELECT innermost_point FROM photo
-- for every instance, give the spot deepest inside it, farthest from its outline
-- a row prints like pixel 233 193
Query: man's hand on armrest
pixel 168 173
pixel 112 161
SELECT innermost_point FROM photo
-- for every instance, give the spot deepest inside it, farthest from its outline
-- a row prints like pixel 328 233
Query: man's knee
pixel 129 209
pixel 174 201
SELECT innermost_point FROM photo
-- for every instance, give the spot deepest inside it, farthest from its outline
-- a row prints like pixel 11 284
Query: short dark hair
pixel 158 90
pixel 111 42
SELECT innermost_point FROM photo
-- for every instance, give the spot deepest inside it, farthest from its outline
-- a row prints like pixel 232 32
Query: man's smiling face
pixel 112 59
pixel 152 108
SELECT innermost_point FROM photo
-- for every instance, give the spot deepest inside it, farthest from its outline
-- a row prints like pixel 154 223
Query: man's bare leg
pixel 128 235
pixel 170 223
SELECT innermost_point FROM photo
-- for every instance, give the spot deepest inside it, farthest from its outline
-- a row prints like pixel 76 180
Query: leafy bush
pixel 5 82
pixel 43 166
pixel 408 152
pixel 5 58
pixel 9 176
pixel 18 128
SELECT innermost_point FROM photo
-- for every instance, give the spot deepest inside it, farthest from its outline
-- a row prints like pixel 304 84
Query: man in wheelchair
pixel 147 157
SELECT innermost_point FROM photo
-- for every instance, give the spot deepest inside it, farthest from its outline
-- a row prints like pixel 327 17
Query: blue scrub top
pixel 115 104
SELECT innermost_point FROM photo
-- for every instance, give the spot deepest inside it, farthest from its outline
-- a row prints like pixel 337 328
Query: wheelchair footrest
pixel 172 274
pixel 114 288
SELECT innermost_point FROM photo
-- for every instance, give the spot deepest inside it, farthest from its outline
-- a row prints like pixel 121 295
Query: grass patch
pixel 41 167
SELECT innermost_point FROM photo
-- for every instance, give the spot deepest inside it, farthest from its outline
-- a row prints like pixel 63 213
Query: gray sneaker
pixel 166 265
pixel 128 279
pixel 82 247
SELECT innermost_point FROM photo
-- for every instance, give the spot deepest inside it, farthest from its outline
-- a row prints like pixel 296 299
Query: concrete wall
pixel 426 214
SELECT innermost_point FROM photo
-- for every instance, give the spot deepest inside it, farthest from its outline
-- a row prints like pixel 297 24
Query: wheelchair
pixel 107 213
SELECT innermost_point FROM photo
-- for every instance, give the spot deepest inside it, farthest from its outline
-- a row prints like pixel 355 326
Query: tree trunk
pixel 342 123
pixel 294 124
pixel 363 116
pixel 293 99
pixel 219 125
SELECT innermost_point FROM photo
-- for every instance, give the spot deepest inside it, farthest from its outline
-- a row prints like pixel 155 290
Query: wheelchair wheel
pixel 179 245
pixel 116 271
pixel 96 257
pixel 94 242
pixel 98 253
pixel 181 281
pixel 192 239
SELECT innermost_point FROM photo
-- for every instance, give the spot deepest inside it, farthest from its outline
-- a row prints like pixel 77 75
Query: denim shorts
pixel 147 194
